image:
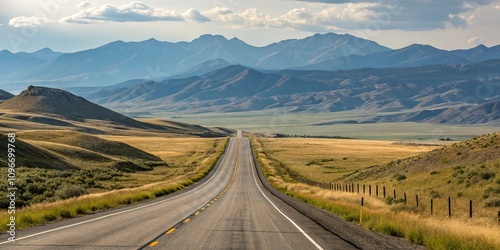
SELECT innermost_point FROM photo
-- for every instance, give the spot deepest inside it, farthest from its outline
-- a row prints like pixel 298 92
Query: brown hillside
pixel 60 103
pixel 28 155
pixel 469 169
pixel 478 150
pixel 89 142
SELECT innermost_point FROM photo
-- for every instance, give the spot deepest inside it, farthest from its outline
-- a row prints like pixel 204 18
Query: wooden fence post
pixel 470 209
pixel 449 207
pixel 361 214
pixel 432 206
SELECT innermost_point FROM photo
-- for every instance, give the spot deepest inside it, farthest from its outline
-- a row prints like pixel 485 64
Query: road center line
pixel 288 218
pixel 126 211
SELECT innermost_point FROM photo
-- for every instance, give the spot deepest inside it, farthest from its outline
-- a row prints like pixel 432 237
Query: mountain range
pixel 155 60
pixel 321 73
pixel 462 93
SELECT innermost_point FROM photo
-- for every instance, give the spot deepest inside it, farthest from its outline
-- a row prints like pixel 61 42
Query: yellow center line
pixel 187 220
pixel 203 208
pixel 171 230
pixel 197 212
pixel 152 244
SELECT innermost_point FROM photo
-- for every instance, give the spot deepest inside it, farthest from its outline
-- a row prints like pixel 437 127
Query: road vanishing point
pixel 229 209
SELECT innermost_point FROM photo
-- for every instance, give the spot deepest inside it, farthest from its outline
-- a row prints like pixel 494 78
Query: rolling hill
pixel 43 108
pixel 470 168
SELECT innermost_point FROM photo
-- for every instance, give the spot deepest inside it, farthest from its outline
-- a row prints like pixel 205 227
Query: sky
pixel 70 26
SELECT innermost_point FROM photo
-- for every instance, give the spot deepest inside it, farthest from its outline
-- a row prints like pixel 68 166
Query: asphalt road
pixel 229 210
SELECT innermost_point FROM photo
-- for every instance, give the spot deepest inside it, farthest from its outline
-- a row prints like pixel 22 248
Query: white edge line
pixel 288 218
pixel 122 212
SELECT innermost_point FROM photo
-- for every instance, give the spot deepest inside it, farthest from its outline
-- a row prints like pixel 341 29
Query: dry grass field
pixel 181 154
pixel 331 160
pixel 464 171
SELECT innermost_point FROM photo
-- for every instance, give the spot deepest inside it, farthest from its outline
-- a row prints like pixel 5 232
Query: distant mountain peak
pixel 44 50
pixel 4 95
pixel 210 37
pixel 48 92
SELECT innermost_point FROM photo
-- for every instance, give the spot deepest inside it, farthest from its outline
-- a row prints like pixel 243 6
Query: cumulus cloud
pixel 411 14
pixel 133 12
pixel 476 40
pixel 195 16
pixel 84 4
pixel 218 11
pixel 353 16
pixel 24 21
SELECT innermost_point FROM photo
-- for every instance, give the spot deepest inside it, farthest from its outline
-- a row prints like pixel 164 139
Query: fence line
pixel 364 189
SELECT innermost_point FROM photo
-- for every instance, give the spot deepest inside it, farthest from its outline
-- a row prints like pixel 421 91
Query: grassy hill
pixel 469 169
pixel 40 108
pixel 34 157
pixel 52 165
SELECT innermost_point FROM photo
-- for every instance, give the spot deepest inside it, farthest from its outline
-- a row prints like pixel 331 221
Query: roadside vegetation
pixel 464 171
pixel 96 173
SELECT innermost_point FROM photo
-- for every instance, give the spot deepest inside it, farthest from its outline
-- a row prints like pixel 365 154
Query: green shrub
pixel 65 214
pixel 69 191
pixel 399 177
pixel 487 175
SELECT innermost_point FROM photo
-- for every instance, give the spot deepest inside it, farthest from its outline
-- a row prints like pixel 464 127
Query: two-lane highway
pixel 247 216
pixel 229 210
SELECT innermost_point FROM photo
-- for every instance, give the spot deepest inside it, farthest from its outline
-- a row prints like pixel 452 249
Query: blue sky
pixel 67 26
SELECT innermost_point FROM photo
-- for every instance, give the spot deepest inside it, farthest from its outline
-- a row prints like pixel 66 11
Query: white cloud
pixel 409 14
pixel 135 11
pixel 354 16
pixel 84 4
pixel 218 11
pixel 32 21
pixel 476 40
pixel 195 16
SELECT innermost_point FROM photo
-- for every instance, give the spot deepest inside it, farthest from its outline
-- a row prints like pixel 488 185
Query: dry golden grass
pixel 177 152
pixel 435 231
pixel 348 155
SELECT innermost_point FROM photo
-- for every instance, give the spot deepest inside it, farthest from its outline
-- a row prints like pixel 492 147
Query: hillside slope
pixel 470 169
pixel 42 108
